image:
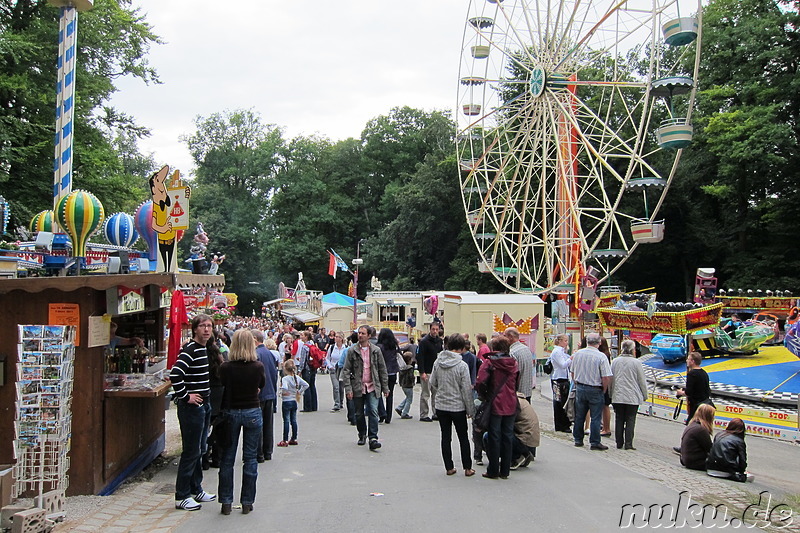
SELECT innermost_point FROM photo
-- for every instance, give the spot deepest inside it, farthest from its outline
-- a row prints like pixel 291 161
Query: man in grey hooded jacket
pixel 453 388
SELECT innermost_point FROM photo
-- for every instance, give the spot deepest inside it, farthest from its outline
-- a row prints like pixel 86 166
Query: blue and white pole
pixel 65 94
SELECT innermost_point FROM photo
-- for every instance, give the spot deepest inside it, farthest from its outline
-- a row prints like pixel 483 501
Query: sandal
pixel 469 472
pixel 451 472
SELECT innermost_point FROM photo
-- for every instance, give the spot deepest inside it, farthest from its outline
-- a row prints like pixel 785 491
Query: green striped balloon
pixel 81 214
pixel 42 221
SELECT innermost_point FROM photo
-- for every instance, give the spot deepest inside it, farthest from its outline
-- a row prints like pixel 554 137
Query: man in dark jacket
pixel 267 396
pixel 429 347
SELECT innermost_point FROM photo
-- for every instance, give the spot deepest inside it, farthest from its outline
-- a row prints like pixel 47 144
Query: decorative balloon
pixel 143 220
pixel 5 213
pixel 80 213
pixel 119 230
pixel 42 221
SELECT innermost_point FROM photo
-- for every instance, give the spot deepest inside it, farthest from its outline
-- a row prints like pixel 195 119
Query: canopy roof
pixel 337 298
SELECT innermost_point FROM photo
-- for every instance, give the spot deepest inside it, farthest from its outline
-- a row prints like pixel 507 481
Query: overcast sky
pixel 317 66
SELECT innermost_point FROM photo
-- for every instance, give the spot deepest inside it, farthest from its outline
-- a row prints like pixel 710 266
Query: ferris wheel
pixel 572 116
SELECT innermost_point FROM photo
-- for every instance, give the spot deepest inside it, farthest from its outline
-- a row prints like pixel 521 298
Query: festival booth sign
pixel 681 322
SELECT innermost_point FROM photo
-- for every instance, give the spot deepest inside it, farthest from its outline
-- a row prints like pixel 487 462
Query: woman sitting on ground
pixel 728 456
pixel 696 439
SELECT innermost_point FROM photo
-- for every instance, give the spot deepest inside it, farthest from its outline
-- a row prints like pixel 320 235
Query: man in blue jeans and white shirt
pixel 189 377
pixel 592 375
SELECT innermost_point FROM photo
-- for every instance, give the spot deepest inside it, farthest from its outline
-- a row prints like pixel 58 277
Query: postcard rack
pixel 43 425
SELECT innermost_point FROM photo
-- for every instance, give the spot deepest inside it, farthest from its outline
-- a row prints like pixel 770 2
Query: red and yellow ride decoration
pixel 679 322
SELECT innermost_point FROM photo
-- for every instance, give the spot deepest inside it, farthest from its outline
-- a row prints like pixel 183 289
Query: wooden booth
pixel 117 419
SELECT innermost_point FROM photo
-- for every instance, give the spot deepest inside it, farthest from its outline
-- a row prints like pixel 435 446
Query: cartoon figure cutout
pixel 170 214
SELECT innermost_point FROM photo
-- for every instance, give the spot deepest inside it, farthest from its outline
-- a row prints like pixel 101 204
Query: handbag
pixel 547 368
pixel 569 405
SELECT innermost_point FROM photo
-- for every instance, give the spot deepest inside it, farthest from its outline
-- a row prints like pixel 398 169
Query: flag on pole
pixel 331 265
pixel 350 291
pixel 339 261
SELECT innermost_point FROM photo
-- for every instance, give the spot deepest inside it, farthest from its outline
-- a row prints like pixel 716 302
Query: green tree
pixel 237 157
pixel 113 41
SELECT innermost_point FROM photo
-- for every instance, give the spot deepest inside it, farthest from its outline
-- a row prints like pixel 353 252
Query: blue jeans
pixel 248 421
pixel 405 405
pixel 371 401
pixel 289 412
pixel 588 399
pixel 194 421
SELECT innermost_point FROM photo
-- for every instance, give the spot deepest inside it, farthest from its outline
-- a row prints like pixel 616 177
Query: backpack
pixel 316 357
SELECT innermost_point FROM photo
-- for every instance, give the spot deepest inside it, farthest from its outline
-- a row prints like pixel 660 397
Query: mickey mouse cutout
pixel 170 213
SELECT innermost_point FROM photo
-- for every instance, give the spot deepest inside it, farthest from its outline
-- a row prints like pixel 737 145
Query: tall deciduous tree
pixel 237 157
pixel 113 41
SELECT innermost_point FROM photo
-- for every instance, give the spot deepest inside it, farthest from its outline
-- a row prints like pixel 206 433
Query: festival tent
pixel 337 298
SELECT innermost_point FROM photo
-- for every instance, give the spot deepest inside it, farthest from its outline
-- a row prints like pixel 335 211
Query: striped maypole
pixel 65 94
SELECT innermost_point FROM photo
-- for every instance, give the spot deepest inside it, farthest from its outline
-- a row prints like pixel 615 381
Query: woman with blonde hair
pixel 696 438
pixel 243 377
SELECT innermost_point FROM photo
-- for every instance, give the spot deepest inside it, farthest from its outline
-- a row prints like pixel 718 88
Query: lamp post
pixel 356 263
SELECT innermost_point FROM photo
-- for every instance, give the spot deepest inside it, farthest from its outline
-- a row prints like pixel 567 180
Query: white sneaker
pixel 205 497
pixel 189 504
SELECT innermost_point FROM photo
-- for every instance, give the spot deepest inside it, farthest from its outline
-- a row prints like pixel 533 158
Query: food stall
pixel 118 399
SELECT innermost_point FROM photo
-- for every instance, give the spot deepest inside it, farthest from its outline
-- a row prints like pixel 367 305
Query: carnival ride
pixel 565 110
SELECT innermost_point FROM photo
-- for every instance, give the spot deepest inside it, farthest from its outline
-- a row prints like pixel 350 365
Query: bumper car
pixel 671 348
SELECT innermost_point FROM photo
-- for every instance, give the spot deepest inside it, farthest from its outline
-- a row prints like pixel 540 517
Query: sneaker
pixel 406 417
pixel 578 444
pixel 205 497
pixel 292 442
pixel 399 412
pixel 425 419
pixel 528 458
pixel 189 504
pixel 374 444
pixel 518 462
pixel 479 462
pixel 283 444
pixel 676 449
pixel 598 447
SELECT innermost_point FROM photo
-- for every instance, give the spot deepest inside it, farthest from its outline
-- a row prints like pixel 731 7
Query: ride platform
pixel 761 389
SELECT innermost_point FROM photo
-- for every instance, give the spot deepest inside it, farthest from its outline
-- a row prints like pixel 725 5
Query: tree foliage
pixel 113 41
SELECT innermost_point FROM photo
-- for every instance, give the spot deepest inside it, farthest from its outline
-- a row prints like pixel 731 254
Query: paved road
pixel 328 483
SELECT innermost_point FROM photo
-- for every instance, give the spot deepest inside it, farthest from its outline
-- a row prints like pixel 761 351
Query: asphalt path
pixel 328 483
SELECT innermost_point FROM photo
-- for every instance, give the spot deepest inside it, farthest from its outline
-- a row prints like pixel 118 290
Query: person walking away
pixel 728 455
pixel 428 349
pixel 213 452
pixel 190 381
pixel 497 382
pixel 292 387
pixel 559 382
pixel 336 351
pixel 243 376
pixel 406 379
pixel 451 383
pixel 524 357
pixel 308 373
pixel 628 392
pixel 389 348
pixel 365 378
pixel 267 397
pixel 696 438
pixel 592 376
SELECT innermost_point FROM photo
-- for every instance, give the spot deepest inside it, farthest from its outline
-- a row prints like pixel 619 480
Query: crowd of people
pixel 227 383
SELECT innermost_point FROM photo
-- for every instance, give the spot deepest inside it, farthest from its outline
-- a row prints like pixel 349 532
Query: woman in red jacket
pixel 497 383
